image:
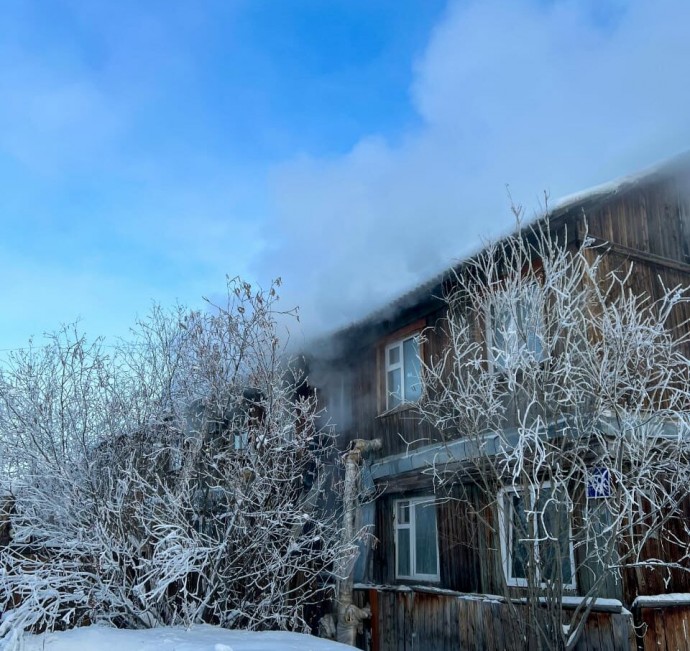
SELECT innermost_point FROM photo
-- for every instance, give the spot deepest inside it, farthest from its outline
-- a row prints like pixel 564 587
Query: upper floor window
pixel 515 332
pixel 535 529
pixel 403 372
pixel 338 400
pixel 416 543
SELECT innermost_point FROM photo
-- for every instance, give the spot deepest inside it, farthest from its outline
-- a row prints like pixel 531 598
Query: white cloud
pixel 541 97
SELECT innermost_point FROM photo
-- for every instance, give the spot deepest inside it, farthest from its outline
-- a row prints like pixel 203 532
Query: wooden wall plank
pixel 410 620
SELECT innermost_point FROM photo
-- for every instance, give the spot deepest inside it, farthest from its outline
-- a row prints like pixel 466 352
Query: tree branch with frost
pixel 579 378
pixel 176 478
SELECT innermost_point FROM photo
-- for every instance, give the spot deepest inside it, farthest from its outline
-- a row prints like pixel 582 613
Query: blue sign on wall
pixel 599 483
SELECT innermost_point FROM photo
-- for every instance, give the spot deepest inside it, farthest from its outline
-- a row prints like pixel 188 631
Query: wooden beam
pixel 636 254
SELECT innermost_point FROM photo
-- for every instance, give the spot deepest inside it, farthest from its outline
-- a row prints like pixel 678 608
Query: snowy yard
pixel 198 638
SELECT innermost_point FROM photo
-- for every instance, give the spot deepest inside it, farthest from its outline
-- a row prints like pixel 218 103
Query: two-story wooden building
pixel 431 576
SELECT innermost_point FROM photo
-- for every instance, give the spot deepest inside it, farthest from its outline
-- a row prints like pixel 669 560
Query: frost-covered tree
pixel 175 478
pixel 572 394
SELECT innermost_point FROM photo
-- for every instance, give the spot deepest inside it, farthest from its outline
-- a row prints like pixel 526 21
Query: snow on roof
pixel 197 638
pixel 622 183
pixel 602 190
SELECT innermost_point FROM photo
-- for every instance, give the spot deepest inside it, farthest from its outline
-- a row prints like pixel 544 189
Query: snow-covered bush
pixel 175 478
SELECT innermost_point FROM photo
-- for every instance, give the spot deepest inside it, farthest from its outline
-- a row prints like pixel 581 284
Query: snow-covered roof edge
pixel 663 168
pixel 662 600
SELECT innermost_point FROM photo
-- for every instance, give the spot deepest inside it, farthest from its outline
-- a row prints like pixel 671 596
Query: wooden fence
pixel 417 620
pixel 663 622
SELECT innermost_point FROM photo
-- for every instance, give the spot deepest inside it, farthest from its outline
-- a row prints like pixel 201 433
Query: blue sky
pixel 351 146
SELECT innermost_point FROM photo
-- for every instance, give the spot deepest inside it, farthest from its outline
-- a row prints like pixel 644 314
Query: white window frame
pixel 506 532
pixel 401 366
pixel 530 292
pixel 412 502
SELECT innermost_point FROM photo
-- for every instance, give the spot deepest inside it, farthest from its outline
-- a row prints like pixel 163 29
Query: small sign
pixel 599 483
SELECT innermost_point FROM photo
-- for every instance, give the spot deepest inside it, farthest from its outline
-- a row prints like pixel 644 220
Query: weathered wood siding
pixel 664 628
pixel 651 217
pixel 644 581
pixel 413 620
pixel 647 228
pixel 463 567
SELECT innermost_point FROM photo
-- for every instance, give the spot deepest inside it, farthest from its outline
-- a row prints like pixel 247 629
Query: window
pixel 403 371
pixel 338 401
pixel 515 331
pixel 416 545
pixel 241 440
pixel 535 524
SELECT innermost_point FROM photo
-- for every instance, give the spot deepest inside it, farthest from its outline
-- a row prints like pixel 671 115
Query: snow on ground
pixel 197 638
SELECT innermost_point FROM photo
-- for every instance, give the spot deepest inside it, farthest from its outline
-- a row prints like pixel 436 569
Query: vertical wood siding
pixel 412 620
pixel 664 629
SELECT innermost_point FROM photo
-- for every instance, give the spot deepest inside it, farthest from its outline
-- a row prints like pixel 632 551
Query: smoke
pixel 553 97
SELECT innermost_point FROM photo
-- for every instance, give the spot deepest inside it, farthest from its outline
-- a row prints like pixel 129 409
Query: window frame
pixel 531 289
pixel 506 533
pixel 400 365
pixel 412 502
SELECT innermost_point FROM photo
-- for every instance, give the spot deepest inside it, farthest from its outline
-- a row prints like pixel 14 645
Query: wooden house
pixel 428 587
